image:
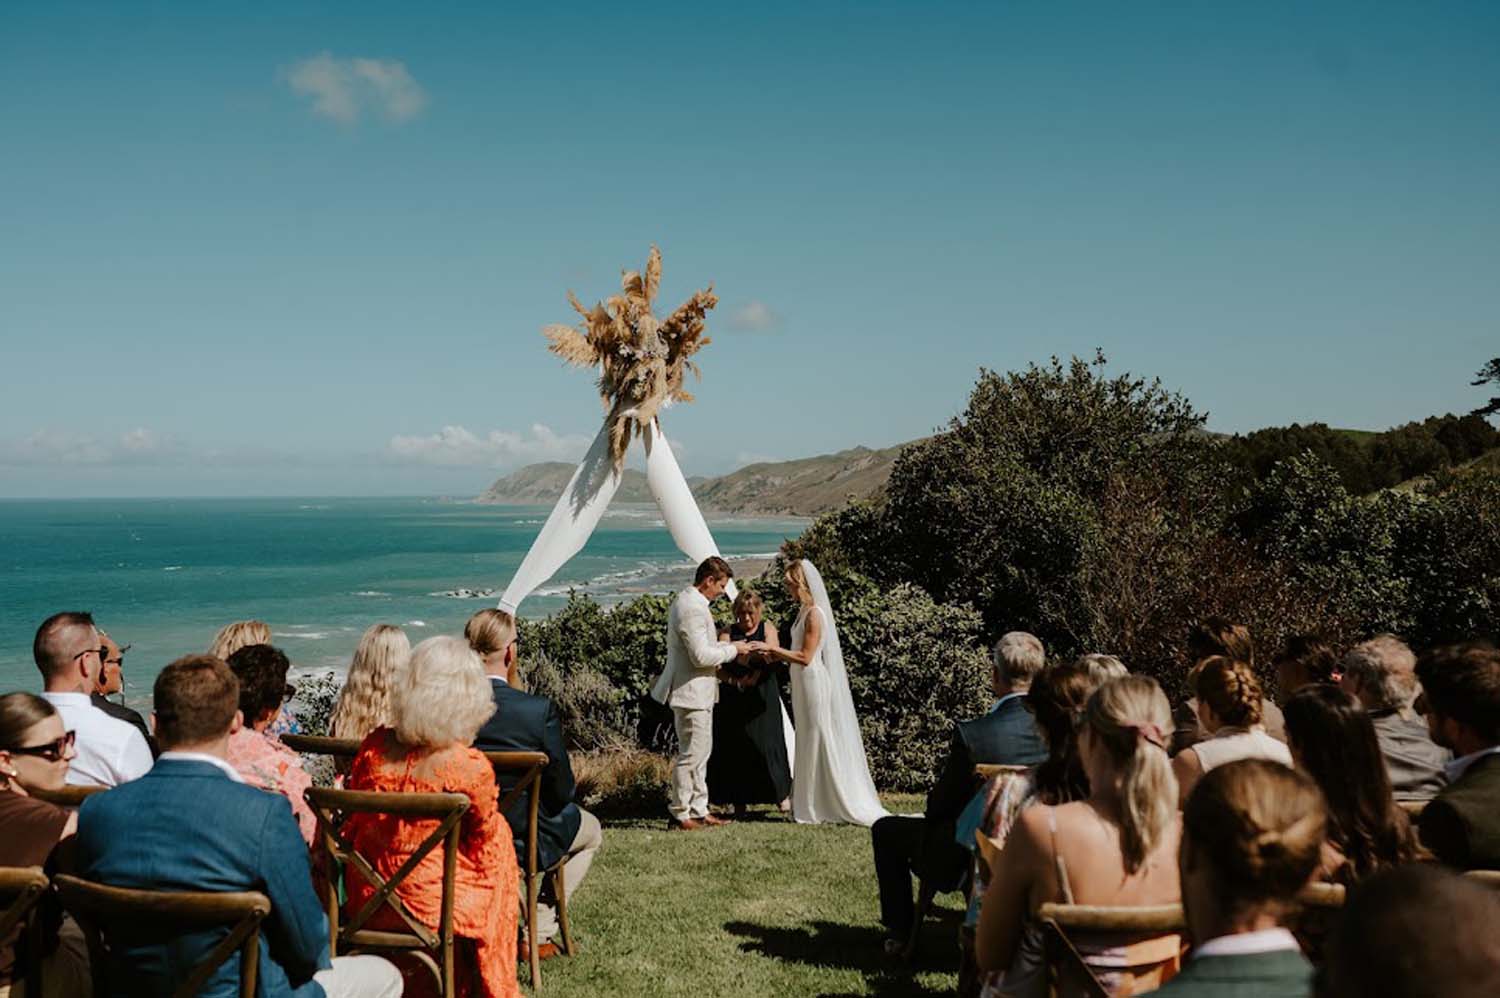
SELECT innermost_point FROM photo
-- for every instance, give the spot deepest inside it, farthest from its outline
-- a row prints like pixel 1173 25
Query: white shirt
pixel 1458 767
pixel 212 760
pixel 110 751
pixel 1247 943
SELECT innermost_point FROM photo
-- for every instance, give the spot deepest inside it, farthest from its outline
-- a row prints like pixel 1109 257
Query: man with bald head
pixel 68 652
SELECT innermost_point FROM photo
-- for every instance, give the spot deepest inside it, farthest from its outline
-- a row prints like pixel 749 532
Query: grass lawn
pixel 762 907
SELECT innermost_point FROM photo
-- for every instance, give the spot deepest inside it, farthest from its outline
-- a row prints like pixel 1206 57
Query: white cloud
pixel 346 89
pixel 140 441
pixel 456 446
pixel 51 446
pixel 754 317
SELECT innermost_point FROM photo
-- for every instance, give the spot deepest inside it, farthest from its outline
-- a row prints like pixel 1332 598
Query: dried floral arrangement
pixel 642 361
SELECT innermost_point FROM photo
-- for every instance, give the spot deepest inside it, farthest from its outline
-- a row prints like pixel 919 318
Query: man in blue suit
pixel 524 722
pixel 925 846
pixel 190 824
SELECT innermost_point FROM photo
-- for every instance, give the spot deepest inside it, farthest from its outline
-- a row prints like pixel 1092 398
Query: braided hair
pixel 1230 689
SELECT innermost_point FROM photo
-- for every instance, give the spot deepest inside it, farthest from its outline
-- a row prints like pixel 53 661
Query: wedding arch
pixel 642 362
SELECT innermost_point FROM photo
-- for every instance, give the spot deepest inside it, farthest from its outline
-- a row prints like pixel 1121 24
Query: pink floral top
pixel 266 763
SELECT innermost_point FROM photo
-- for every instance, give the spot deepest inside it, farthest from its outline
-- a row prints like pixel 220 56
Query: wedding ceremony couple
pixel 830 775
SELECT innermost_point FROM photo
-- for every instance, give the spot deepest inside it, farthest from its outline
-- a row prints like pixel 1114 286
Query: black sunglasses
pixel 51 751
pixel 96 651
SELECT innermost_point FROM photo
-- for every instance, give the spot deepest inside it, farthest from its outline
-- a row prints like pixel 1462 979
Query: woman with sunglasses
pixel 34 753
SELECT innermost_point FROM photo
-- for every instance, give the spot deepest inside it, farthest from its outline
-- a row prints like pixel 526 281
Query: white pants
pixel 360 977
pixel 580 857
pixel 695 742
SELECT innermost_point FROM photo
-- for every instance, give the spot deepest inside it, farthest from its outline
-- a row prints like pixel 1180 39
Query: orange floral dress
pixel 486 904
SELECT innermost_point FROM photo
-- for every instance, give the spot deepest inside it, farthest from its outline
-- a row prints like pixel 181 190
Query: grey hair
pixel 442 696
pixel 1019 657
pixel 1385 670
pixel 1102 668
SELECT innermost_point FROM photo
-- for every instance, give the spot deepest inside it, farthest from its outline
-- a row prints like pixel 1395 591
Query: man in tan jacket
pixel 690 686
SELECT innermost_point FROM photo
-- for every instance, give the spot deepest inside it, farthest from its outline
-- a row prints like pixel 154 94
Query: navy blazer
pixel 525 722
pixel 186 826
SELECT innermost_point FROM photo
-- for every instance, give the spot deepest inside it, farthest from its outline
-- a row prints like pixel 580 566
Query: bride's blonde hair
pixel 796 581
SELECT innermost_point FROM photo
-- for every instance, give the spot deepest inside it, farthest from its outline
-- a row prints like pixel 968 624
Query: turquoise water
pixel 163 575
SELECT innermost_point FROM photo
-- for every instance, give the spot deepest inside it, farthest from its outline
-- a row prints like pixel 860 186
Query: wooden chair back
pixel 1485 878
pixel 68 796
pixel 519 774
pixel 171 913
pixel 990 770
pixel 1151 938
pixel 339 748
pixel 333 809
pixel 21 890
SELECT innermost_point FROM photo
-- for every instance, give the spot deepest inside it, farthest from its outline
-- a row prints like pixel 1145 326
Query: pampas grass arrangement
pixel 642 360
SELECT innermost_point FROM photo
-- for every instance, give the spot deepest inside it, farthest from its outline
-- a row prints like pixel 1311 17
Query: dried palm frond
pixel 642 360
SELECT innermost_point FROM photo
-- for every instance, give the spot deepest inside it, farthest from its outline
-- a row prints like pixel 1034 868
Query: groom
pixel 690 686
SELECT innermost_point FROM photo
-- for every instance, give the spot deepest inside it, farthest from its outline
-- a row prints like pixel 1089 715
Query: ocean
pixel 163 575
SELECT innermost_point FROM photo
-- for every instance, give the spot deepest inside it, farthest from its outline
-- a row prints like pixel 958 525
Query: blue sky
pixel 308 248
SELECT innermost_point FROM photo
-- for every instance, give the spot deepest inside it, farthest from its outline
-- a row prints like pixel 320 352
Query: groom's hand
pixel 742 648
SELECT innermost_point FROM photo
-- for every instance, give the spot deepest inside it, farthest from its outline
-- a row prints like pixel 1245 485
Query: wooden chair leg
pixel 533 943
pixel 560 894
pixel 925 894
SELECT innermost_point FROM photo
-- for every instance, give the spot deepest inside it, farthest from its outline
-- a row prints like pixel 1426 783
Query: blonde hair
pixel 1230 689
pixel 1131 718
pixel 240 634
pixel 490 630
pixel 749 599
pixel 1102 668
pixel 443 696
pixel 364 703
pixel 796 582
pixel 1260 825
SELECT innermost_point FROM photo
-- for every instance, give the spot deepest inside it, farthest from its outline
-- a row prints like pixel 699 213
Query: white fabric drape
pixel 588 495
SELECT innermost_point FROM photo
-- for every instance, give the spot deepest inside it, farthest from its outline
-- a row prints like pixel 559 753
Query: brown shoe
pixel 713 822
pixel 545 951
pixel 685 825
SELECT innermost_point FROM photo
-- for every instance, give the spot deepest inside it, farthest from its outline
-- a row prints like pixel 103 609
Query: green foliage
pixel 595 713
pixel 313 705
pixel 1489 374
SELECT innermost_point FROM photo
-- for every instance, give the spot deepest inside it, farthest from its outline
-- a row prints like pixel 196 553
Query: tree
pixel 1489 374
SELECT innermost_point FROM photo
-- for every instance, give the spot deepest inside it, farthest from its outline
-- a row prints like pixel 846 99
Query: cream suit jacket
pixel 694 654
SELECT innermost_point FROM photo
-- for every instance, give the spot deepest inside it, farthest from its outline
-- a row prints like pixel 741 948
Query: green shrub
pixel 593 711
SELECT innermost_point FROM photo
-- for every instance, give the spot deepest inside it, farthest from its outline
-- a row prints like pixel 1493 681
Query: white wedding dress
pixel 831 776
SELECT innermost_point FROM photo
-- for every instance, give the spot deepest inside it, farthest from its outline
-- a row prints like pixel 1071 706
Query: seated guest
pixel 1103 668
pixel 1229 705
pixel 232 637
pixel 1382 673
pixel 1306 660
pixel 1333 741
pixel 190 824
pixel 525 722
pixel 1117 847
pixel 1414 932
pixel 364 703
pixel 1251 839
pixel 439 702
pixel 906 845
pixel 1217 636
pixel 260 758
pixel 1461 687
pixel 110 752
pixel 34 753
pixel 111 682
pixel 1056 700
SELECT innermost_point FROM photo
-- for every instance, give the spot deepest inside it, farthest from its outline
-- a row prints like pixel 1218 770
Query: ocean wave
pixel 309 635
pixel 171 568
pixel 526 523
pixel 466 593
pixel 371 592
pixel 416 623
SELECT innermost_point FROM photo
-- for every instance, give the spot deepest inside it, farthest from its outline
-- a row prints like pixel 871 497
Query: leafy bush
pixel 594 711
pixel 622 782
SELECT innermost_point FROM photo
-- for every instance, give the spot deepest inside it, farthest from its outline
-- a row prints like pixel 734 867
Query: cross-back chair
pixel 333 809
pixel 170 913
pixel 1151 958
pixel 520 774
pixel 21 891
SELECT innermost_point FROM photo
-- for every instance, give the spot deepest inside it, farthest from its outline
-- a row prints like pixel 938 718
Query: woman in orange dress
pixel 437 707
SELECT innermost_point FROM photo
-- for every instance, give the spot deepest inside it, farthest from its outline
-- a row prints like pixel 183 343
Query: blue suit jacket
pixel 524 722
pixel 186 825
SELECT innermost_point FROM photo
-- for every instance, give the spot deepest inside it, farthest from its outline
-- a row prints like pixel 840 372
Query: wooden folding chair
pixel 339 748
pixel 520 773
pixel 65 796
pixel 333 809
pixel 927 892
pixel 97 906
pixel 1152 945
pixel 21 890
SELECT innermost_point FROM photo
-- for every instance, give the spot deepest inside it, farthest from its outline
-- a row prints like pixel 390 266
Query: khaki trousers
pixel 695 741
pixel 580 857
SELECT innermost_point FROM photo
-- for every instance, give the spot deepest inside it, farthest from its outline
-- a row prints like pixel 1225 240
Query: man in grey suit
pixel 690 686
pixel 1382 673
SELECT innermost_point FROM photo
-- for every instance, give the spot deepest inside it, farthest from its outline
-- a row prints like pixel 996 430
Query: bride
pixel 831 777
